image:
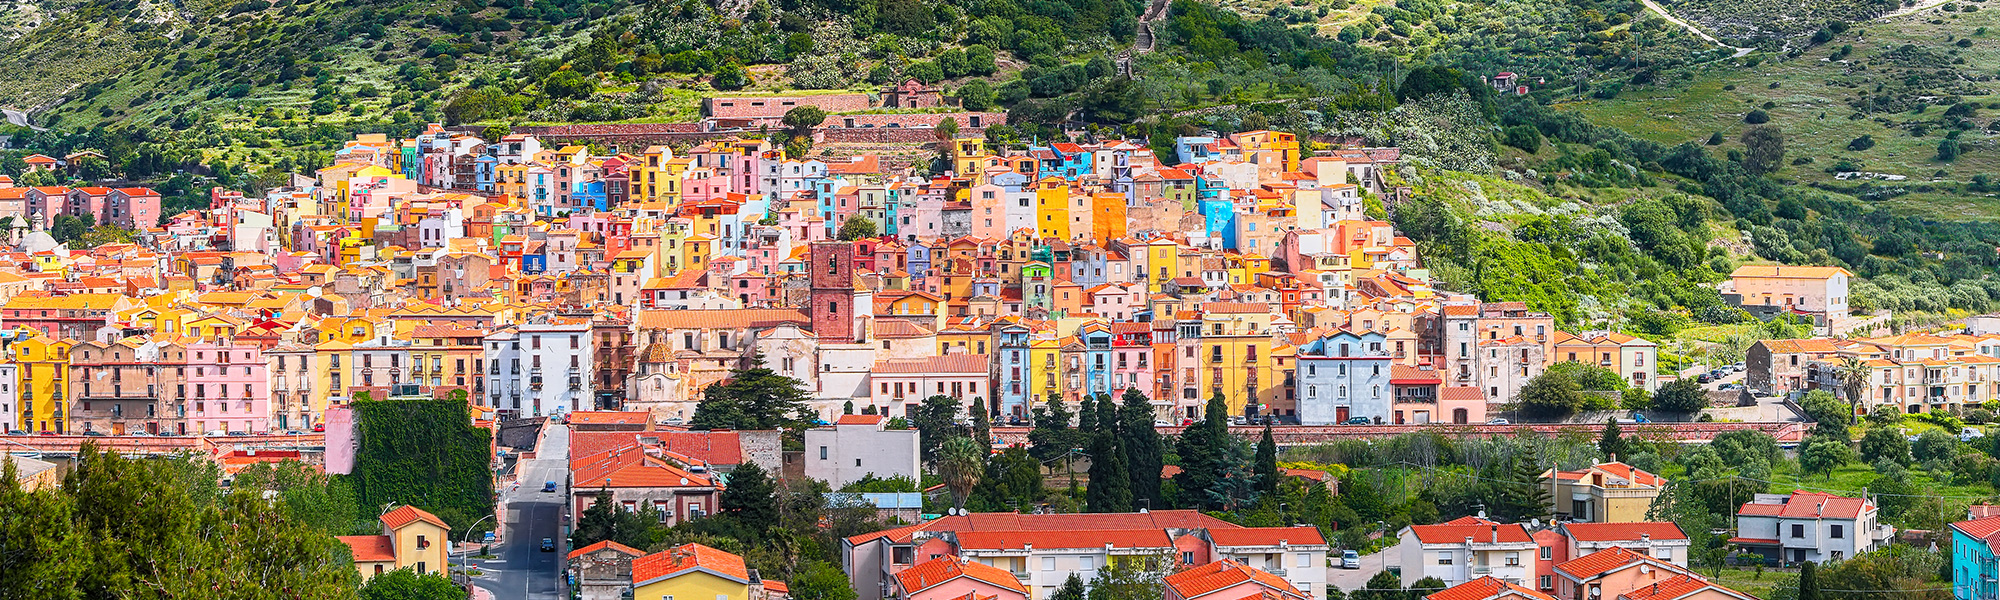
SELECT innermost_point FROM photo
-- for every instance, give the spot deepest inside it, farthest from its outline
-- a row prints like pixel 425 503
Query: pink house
pixel 131 208
pixel 229 385
pixel 955 578
pixel 1461 405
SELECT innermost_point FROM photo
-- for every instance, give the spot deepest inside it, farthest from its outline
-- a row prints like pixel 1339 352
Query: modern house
pixel 857 446
pixel 1611 492
pixel 1809 526
pixel 1468 548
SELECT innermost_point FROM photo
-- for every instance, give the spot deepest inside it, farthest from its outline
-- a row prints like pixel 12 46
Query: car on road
pixel 1499 422
pixel 1350 559
pixel 1356 421
pixel 548 486
pixel 1162 423
pixel 1704 378
pixel 93 433
pixel 319 428
pixel 548 544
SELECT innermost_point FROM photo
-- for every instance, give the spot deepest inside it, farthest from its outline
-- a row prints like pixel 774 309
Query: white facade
pixel 857 446
pixel 1461 553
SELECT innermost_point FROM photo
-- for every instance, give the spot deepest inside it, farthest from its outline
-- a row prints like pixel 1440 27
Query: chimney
pixel 1646 537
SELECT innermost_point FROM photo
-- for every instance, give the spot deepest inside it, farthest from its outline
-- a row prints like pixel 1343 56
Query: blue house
pixel 1219 220
pixel 589 195
pixel 1012 352
pixel 1974 570
pixel 1195 149
pixel 1096 338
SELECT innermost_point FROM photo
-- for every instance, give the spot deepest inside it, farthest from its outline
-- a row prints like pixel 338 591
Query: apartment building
pixel 1468 548
pixel 1809 527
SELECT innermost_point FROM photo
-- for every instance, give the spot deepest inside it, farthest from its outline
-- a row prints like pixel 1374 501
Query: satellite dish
pixel 1534 523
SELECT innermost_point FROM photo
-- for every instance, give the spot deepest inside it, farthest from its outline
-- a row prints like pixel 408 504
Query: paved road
pixel 523 571
pixel 1350 579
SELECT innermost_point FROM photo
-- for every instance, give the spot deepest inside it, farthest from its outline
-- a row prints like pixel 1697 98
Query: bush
pixel 1757 117
pixel 1861 143
pixel 1683 395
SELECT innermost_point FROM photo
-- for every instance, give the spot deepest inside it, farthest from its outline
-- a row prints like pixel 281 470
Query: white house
pixel 1468 548
pixel 1809 526
pixel 857 446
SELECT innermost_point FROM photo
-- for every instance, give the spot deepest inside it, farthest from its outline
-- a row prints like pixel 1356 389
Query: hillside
pixel 1907 84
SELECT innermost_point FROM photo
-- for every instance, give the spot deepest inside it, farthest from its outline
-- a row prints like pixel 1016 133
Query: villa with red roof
pixel 1043 550
pixel 1809 526
pixel 1457 550
pixel 952 578
pixel 1611 492
pixel 411 539
pixel 1488 588
pixel 699 572
pixel 1975 555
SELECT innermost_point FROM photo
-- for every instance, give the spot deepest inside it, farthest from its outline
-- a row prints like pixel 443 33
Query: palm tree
pixel 959 464
pixel 1854 377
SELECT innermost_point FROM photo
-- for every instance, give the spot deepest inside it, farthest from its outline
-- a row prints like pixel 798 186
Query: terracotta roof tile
pixel 1223 574
pixel 604 545
pixel 1606 532
pixel 1487 588
pixel 371 548
pixel 406 514
pixel 1267 536
pixel 937 571
pixel 1481 534
pixel 687 557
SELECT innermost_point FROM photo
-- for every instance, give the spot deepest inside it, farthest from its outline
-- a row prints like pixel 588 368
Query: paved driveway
pixel 1351 579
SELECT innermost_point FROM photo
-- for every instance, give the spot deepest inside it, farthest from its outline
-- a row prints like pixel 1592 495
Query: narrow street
pixel 522 571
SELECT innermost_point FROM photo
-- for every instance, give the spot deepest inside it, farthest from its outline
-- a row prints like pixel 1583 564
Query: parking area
pixel 1352 579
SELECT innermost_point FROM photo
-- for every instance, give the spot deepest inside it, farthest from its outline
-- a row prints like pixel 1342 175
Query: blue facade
pixel 589 195
pixel 484 169
pixel 919 257
pixel 1012 353
pixel 534 263
pixel 1195 149
pixel 1096 358
pixel 1975 573
pixel 1219 218
pixel 1342 376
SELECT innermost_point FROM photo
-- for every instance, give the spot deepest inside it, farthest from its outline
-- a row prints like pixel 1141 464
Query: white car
pixel 1350 559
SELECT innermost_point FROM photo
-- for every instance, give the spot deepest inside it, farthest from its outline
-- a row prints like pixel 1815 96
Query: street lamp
pixel 465 563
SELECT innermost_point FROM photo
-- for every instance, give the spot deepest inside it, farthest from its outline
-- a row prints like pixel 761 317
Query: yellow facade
pixel 694 585
pixel 42 364
pixel 1045 371
pixel 1052 212
pixel 968 158
pixel 1235 359
pixel 1162 262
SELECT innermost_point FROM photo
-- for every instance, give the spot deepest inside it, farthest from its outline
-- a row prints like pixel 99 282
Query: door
pixel 1340 414
pixel 117 429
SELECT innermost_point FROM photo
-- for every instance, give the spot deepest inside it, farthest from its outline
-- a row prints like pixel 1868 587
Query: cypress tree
pixel 1200 449
pixel 1266 466
pixel 1809 583
pixel 751 497
pixel 1107 415
pixel 1110 486
pixel 982 423
pixel 1612 443
pixel 1143 452
pixel 1051 435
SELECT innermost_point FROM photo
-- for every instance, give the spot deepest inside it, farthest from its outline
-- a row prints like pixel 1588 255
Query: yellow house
pixel 697 572
pixel 1052 212
pixel 1611 492
pixel 335 179
pixel 1162 263
pixel 352 330
pixel 42 363
pixel 331 355
pixel 165 319
pixel 656 177
pixel 212 326
pixel 1235 357
pixel 1045 370
pixel 968 156
pixel 1272 151
pixel 411 539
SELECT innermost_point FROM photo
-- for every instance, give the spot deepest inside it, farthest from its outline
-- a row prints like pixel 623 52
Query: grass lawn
pixel 1810 95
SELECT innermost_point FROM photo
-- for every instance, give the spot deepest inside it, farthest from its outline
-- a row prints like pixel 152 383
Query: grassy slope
pixel 1810 87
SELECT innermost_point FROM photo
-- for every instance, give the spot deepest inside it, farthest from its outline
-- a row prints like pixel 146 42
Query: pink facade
pixel 230 387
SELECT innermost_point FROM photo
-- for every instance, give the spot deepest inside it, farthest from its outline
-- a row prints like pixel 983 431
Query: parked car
pixel 1350 559
pixel 1162 423
pixel 16 432
pixel 1356 421
pixel 1640 418
pixel 1704 378
pixel 548 545
pixel 93 433
pixel 548 486
pixel 319 428
pixel 1499 422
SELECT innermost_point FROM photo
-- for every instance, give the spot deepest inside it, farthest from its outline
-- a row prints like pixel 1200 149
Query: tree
pixel 1683 395
pixel 1425 587
pixel 1072 589
pixel 982 423
pixel 754 398
pixel 751 496
pixel 1948 149
pixel 947 128
pixel 1809 582
pixel 1883 443
pixel 959 464
pixel 1757 117
pixel 1052 436
pixel 857 227
pixel 936 420
pixel 407 584
pixel 1551 395
pixel 1110 488
pixel 1612 442
pixel 1764 148
pixel 1266 464
pixel 1525 494
pixel 1934 445
pixel 1854 378
pixel 1830 416
pixel 1861 143
pixel 821 580
pixel 1383 586
pixel 1086 415
pixel 977 95
pixel 605 521
pixel 1143 450
pixel 730 75
pixel 1822 456
pixel 568 84
pixel 803 119
pixel 1200 448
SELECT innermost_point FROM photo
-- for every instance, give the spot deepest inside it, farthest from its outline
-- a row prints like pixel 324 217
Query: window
pixel 1444 558
pixel 1548 553
pixel 1303 560
pixel 1513 559
pixel 1187 557
pixel 1837 531
pixel 1048 563
pixel 1086 563
pixel 822 452
pixel 1547 584
pixel 1798 530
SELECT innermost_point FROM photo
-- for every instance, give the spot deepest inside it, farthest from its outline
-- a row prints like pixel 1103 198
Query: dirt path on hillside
pixel 1662 11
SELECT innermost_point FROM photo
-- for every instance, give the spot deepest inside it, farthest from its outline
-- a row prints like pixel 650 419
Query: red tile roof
pixel 1462 392
pixel 1607 560
pixel 1487 588
pixel 687 557
pixel 1481 534
pixel 935 365
pixel 406 514
pixel 631 467
pixel 604 545
pixel 1616 469
pixel 1195 582
pixel 1158 519
pixel 1810 505
pixel 605 417
pixel 1606 532
pixel 899 534
pixel 1983 528
pixel 1016 540
pixel 859 419
pixel 371 548
pixel 1267 536
pixel 933 572
pixel 1681 586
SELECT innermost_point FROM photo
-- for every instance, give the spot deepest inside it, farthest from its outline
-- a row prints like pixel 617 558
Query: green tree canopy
pixel 1551 395
pixel 857 227
pixel 1683 395
pixel 406 584
pixel 755 398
